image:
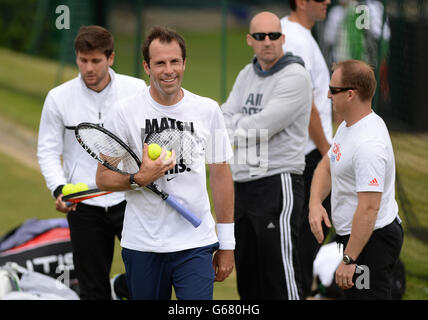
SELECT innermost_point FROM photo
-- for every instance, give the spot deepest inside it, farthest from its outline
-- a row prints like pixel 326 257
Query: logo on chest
pixel 336 152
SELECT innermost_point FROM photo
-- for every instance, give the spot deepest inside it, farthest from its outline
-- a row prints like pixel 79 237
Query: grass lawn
pixel 26 80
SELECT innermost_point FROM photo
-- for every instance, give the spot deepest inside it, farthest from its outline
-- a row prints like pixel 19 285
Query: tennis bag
pixel 43 246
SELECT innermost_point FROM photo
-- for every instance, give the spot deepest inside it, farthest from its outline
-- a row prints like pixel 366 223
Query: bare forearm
pixel 110 180
pixel 321 182
pixel 222 192
pixel 316 131
pixel 362 227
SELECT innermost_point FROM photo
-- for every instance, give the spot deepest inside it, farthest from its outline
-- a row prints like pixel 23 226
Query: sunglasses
pixel 260 36
pixel 336 90
pixel 319 1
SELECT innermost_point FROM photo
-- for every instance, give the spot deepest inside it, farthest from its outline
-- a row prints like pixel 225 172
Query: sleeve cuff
pixel 58 191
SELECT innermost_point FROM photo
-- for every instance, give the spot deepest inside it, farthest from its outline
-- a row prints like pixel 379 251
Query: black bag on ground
pixel 43 246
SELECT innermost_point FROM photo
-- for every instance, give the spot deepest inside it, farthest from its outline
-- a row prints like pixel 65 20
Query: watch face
pixel 346 259
pixel 135 186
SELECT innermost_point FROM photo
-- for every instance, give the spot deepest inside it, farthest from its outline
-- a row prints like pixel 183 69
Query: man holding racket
pixel 161 249
pixel 359 170
pixel 90 97
pixel 272 94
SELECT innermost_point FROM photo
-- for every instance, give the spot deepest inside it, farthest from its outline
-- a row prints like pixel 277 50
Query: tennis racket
pixel 77 197
pixel 114 154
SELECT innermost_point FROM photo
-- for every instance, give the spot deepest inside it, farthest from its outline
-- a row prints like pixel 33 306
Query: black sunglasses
pixel 335 90
pixel 319 0
pixel 260 36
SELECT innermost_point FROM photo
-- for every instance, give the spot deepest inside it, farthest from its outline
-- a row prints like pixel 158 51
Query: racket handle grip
pixel 187 214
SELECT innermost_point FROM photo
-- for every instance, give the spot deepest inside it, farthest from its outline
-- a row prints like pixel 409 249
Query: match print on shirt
pixel 172 134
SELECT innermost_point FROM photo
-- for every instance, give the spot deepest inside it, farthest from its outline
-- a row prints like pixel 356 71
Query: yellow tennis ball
pixel 68 188
pixel 168 154
pixel 80 186
pixel 154 151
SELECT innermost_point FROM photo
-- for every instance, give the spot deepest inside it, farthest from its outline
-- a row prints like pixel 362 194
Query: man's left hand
pixel 344 274
pixel 223 262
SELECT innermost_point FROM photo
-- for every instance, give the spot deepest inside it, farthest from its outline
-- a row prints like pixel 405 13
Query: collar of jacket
pixel 112 78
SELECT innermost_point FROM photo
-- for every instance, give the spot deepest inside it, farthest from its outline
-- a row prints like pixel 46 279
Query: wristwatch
pixel 347 259
pixel 132 182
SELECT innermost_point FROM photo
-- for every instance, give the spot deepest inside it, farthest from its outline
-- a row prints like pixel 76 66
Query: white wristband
pixel 226 236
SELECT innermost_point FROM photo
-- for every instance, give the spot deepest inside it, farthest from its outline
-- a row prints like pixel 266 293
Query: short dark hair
pixel 292 4
pixel 164 35
pixel 359 75
pixel 92 38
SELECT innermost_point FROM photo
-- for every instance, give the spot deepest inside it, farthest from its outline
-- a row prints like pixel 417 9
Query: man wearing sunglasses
pixel 359 170
pixel 299 40
pixel 271 94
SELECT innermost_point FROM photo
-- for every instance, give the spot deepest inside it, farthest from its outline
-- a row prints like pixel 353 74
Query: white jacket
pixel 65 107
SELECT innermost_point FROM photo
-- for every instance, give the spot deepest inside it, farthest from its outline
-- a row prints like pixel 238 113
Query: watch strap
pixel 132 182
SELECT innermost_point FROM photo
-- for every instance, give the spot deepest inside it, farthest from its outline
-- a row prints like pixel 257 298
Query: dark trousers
pixel 308 245
pixel 379 258
pixel 267 221
pixel 92 231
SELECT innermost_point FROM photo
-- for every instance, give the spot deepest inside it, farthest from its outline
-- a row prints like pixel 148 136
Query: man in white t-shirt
pixel 300 42
pixel 359 170
pixel 161 249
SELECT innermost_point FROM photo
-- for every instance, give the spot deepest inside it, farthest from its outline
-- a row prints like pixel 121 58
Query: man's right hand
pixel 151 170
pixel 61 206
pixel 317 214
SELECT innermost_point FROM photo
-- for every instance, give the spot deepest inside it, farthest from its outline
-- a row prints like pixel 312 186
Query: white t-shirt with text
pixel 150 224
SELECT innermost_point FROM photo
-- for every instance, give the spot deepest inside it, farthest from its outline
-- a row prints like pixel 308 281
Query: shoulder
pixel 301 47
pixel 284 22
pixel 65 89
pixel 293 29
pixel 128 82
pixel 203 108
pixel 126 104
pixel 123 78
pixel 60 96
pixel 373 133
pixel 298 40
pixel 245 72
pixel 296 69
pixel 373 126
pixel 123 107
pixel 204 102
pixel 295 75
pixel 244 77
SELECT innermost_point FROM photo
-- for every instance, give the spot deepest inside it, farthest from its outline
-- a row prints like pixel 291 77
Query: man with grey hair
pixel 267 113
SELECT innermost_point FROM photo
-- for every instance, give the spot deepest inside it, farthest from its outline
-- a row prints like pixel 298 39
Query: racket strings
pixel 108 149
pixel 182 142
